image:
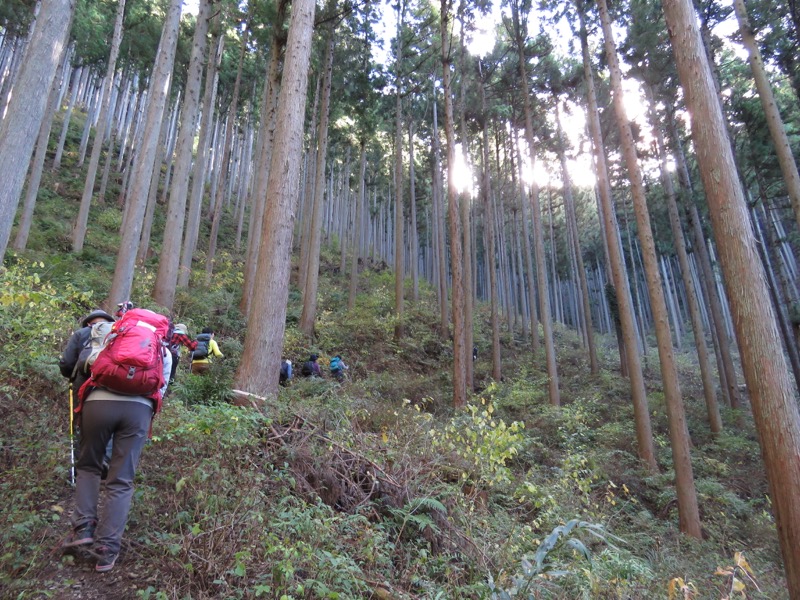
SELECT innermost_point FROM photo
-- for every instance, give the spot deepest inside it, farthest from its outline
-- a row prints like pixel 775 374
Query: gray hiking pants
pixel 129 423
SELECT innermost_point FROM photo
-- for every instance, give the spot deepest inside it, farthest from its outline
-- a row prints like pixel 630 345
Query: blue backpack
pixel 336 364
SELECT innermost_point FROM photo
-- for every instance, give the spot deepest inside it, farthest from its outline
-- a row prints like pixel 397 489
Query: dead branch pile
pixel 349 482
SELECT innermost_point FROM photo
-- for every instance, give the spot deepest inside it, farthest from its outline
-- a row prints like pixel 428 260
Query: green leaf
pixel 578 545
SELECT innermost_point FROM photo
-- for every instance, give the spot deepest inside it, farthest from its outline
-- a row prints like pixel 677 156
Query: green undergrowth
pixel 375 487
pixel 510 498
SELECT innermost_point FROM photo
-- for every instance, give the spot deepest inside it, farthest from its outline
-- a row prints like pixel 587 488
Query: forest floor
pixel 282 502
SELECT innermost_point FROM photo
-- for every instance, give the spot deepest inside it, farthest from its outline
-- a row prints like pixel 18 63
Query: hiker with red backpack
pixel 74 365
pixel 129 378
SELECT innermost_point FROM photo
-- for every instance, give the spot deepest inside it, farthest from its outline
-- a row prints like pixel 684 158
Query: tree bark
pixel 260 367
pixel 199 168
pixel 136 200
pixel 309 313
pixel 456 253
pixel 775 408
pixel 27 105
pixel 167 277
pixel 688 511
pixel 709 392
pixel 264 152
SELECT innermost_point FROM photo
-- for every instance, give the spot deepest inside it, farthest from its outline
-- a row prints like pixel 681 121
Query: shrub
pixel 211 388
pixel 110 219
pixel 35 317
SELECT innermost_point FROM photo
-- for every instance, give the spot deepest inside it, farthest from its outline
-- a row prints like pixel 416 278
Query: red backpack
pixel 132 362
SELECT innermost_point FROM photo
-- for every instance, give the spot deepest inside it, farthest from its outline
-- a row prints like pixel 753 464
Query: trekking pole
pixel 71 439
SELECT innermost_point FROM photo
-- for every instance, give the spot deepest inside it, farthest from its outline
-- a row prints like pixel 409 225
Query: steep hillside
pixel 372 488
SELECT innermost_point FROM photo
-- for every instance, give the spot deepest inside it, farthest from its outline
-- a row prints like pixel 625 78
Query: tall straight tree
pixel 81 222
pixel 358 223
pixel 772 396
pixel 25 110
pixel 226 156
pixel 311 284
pixel 710 394
pixel 456 256
pixel 260 367
pixel 264 151
pixel 466 200
pixel 412 192
pixel 167 277
pixel 192 229
pixel 486 191
pixel 136 200
pixel 572 224
pixel 776 128
pixel 399 213
pixel 438 211
pixel 688 511
pixel 37 166
pixel 727 372
pixel 538 231
pixel 641 414
pixel 526 239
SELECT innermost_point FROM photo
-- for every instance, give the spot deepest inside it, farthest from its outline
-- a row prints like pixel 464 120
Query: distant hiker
pixel 180 337
pixel 474 353
pixel 311 367
pixel 136 365
pixel 286 372
pixel 123 307
pixel 206 348
pixel 338 368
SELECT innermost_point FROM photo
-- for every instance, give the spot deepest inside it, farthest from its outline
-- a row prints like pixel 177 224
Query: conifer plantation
pixel 556 243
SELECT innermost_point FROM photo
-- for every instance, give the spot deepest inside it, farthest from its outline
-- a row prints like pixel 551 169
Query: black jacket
pixel 78 342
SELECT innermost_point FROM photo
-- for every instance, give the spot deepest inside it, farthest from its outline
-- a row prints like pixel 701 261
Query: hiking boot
pixel 82 535
pixel 104 470
pixel 105 559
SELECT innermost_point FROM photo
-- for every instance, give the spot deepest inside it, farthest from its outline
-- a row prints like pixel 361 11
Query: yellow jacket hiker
pixel 206 348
